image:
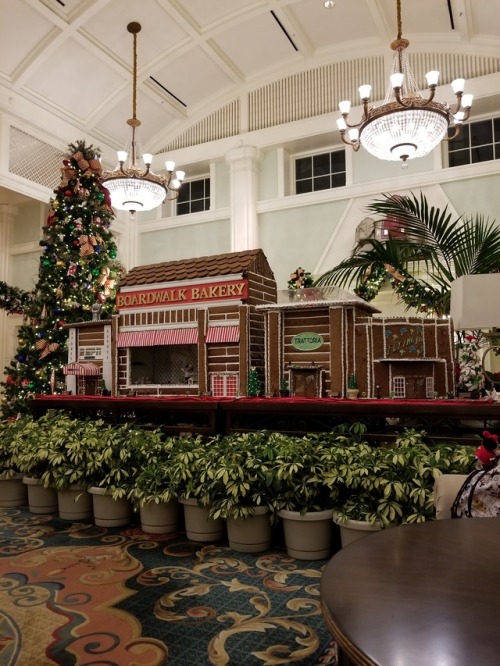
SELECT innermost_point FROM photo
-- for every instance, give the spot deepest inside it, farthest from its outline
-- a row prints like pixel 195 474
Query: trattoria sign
pixel 193 293
pixel 307 341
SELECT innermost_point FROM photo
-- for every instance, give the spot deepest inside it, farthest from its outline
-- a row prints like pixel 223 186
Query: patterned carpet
pixel 77 594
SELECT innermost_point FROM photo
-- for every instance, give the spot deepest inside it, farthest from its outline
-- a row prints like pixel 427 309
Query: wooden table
pixel 417 595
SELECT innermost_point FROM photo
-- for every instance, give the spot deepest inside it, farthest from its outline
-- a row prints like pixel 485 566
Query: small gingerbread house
pixel 317 338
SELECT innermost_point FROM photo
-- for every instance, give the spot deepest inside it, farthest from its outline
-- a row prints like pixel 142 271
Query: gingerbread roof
pixel 248 261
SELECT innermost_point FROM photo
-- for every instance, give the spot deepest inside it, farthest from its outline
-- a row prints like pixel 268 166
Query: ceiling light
pixel 329 4
pixel 405 125
pixel 132 188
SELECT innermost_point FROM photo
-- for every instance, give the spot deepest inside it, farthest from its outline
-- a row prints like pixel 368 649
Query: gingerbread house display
pixel 191 326
pixel 90 366
pixel 317 339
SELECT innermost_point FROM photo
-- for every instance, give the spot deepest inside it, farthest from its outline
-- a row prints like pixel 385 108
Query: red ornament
pixel 67 193
pixel 9 379
pixel 76 243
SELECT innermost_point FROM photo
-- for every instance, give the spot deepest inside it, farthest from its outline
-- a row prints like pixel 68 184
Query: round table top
pixel 426 594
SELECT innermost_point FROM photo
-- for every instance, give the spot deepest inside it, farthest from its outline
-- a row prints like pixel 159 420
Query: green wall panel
pixel 193 240
pixel 297 237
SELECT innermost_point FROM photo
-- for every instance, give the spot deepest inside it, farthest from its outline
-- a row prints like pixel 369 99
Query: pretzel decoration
pixel 45 348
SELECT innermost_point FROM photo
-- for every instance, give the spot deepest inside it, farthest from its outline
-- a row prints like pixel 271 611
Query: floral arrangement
pixel 300 279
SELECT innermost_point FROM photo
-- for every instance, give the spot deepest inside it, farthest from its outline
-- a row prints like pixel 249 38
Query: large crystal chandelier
pixel 405 125
pixel 130 187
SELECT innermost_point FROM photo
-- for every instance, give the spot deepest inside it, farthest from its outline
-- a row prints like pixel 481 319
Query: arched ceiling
pixel 72 59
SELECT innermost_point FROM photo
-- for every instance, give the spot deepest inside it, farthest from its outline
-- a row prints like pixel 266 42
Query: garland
pixel 13 299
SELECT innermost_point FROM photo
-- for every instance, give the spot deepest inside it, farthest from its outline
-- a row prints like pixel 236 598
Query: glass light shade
pixel 180 175
pixel 459 117
pixel 122 155
pixel 419 128
pixel 353 134
pixel 467 100
pixel 345 106
pixel 458 85
pixel 364 91
pixel 147 158
pixel 135 194
pixel 169 166
pixel 175 184
pixel 432 78
pixel 341 124
pixel 397 79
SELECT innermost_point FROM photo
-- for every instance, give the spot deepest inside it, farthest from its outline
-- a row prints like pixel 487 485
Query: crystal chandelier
pixel 130 187
pixel 405 125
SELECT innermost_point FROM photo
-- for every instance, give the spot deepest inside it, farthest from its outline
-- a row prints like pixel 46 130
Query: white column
pixel 244 168
pixel 7 214
pixel 7 325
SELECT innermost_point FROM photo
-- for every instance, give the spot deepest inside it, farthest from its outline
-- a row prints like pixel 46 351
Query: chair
pixel 446 488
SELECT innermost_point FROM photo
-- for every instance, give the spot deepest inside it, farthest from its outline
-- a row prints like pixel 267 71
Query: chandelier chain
pixel 134 88
pixel 400 25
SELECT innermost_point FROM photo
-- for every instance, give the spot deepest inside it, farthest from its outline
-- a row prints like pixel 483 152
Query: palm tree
pixel 444 247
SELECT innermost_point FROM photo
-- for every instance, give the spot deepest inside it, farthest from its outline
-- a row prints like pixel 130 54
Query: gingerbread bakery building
pixel 316 339
pixel 191 326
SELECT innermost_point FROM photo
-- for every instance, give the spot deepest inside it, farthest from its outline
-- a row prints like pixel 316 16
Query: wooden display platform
pixel 451 420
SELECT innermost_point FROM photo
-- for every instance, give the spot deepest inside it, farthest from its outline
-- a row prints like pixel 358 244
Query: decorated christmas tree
pixel 253 383
pixel 77 270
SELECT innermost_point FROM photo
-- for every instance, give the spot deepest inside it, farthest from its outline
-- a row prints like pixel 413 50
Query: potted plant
pixel 352 387
pixel 304 498
pixel 12 490
pixel 188 469
pixel 114 464
pixel 54 460
pixel 240 485
pixel 381 486
pixel 152 494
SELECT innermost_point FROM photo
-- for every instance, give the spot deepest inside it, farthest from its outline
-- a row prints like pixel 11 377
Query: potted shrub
pixel 304 498
pixel 54 461
pixel 240 485
pixel 114 464
pixel 380 486
pixel 12 490
pixel 352 387
pixel 152 494
pixel 189 475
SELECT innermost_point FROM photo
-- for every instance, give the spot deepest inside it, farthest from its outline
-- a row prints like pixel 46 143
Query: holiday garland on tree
pixel 77 268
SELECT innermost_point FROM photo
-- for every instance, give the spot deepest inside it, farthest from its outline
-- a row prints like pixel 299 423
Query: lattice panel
pixel 33 159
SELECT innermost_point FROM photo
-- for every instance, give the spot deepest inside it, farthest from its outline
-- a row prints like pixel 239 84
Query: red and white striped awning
pixel 164 336
pixel 88 369
pixel 177 336
pixel 136 339
pixel 223 334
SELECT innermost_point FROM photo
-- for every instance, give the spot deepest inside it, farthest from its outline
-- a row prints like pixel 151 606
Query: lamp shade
pixel 475 302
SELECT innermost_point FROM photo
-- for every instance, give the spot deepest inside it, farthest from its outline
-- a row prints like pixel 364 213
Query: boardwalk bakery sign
pixel 193 293
pixel 307 341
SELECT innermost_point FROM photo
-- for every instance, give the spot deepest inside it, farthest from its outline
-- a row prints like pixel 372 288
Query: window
pixel 320 172
pixel 224 384
pixel 166 364
pixel 399 387
pixel 429 387
pixel 477 142
pixel 194 196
